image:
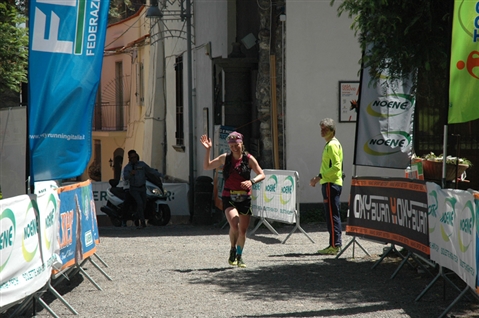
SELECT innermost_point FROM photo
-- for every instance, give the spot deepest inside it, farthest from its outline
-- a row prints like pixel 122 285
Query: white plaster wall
pixel 212 26
pixel 211 39
pixel 321 50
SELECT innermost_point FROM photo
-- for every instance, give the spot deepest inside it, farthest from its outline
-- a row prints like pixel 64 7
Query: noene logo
pixel 50 221
pixel 255 186
pixel 448 218
pixel 270 188
pixel 397 104
pixel 466 231
pixel 469 22
pixel 7 236
pixel 30 232
pixel 394 143
pixel 287 190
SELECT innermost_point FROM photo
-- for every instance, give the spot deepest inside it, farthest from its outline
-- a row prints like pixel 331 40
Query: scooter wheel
pixel 163 216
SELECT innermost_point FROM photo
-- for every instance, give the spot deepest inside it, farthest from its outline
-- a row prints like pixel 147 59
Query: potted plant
pixel 455 167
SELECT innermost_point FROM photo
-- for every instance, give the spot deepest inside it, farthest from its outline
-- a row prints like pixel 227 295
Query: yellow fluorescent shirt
pixel 332 163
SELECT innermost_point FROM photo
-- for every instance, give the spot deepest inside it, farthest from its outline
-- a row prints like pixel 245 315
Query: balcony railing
pixel 108 117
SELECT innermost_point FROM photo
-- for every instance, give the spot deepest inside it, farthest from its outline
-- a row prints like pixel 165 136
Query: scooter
pixel 157 211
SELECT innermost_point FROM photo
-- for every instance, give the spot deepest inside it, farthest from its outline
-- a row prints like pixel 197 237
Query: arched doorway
pixel 117 162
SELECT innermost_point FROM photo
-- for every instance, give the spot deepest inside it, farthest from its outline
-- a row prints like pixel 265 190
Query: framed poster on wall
pixel 348 98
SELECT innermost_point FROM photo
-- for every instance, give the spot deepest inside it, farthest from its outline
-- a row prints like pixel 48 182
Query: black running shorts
pixel 244 207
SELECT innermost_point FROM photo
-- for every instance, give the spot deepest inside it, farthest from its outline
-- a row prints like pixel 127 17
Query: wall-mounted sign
pixel 348 101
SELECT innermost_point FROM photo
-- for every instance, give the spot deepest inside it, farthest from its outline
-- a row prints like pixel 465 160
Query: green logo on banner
pixel 448 218
pixel 50 221
pixel 7 236
pixel 287 190
pixel 466 233
pixel 270 189
pixel 30 232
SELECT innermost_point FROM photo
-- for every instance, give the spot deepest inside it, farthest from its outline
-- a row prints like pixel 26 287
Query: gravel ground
pixel 182 271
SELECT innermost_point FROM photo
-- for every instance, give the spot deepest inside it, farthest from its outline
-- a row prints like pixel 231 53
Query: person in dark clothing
pixel 134 174
pixel 127 203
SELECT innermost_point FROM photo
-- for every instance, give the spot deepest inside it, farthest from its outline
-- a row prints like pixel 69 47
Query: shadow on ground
pixel 345 287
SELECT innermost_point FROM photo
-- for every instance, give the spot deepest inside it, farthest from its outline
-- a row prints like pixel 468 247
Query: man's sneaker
pixel 232 258
pixel 330 250
pixel 239 261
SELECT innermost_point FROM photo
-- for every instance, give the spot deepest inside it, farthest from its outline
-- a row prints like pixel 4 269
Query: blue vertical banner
pixel 67 40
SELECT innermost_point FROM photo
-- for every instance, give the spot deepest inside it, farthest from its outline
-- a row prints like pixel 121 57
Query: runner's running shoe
pixel 239 261
pixel 330 250
pixel 232 259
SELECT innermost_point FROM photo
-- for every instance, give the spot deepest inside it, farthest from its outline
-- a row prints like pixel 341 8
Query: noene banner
pixel 37 232
pixel 385 122
pixel 275 197
pixel 27 243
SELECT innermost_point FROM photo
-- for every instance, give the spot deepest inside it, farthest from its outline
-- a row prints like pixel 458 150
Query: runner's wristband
pixel 252 181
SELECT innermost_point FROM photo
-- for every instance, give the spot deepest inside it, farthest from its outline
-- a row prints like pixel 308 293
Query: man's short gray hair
pixel 329 123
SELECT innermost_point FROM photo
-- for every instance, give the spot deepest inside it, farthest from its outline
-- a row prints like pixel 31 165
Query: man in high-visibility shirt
pixel 331 179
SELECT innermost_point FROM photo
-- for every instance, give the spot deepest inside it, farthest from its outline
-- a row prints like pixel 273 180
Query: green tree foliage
pixel 403 36
pixel 122 9
pixel 13 48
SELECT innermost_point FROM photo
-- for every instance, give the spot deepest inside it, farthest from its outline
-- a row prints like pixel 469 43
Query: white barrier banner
pixel 452 234
pixel 99 195
pixel 177 197
pixel 28 240
pixel 275 197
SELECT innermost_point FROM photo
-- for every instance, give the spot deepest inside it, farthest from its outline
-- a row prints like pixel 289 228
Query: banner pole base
pixel 297 227
pixel 446 279
pixel 392 248
pixel 44 305
pixel 80 269
pixel 102 261
pixel 59 297
pixel 406 259
pixel 99 268
pixel 266 223
pixel 353 242
pixel 448 309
